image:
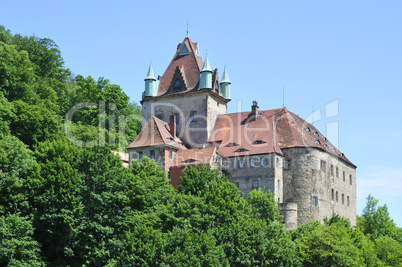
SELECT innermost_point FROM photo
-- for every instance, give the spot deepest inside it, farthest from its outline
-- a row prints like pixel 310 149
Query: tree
pixel 376 221
pixel 264 206
pixel 17 245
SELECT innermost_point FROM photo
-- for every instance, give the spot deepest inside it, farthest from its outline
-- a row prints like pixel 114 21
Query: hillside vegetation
pixel 66 200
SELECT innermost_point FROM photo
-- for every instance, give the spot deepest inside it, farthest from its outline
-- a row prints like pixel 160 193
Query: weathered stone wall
pixel 289 212
pixel 307 178
pixel 146 151
pixel 193 132
pixel 269 176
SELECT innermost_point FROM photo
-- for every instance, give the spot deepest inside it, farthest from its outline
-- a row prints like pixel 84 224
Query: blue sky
pixel 319 51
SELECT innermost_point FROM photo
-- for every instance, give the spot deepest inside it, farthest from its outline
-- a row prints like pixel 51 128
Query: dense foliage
pixel 66 199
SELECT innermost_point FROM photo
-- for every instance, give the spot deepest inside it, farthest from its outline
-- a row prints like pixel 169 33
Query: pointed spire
pixel 225 77
pixel 150 75
pixel 206 66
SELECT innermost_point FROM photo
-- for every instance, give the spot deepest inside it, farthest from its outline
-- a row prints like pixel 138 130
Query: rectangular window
pixel 255 184
pixel 288 164
pixel 336 196
pixel 170 154
pixel 332 194
pixel 332 170
pixel 264 162
pixel 343 199
pixel 277 162
pixel 139 154
pixel 241 162
pixel 323 166
pixel 350 179
pixel 315 201
pixel 347 201
pixel 177 118
pixel 252 163
pixel 344 176
pixel 152 154
pixel 193 116
pixel 337 172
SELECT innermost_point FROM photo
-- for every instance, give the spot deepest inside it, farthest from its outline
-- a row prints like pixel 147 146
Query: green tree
pixel 264 206
pixel 17 245
pixel 389 251
pixel 376 220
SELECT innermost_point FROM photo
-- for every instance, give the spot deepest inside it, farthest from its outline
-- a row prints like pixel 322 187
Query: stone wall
pixel 309 182
pixel 193 131
pixel 269 176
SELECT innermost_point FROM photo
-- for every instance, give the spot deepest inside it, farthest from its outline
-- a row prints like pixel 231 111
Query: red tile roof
pixel 194 156
pixel 190 66
pixel 156 132
pixel 240 134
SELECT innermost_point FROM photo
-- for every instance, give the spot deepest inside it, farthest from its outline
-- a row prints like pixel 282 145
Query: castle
pixel 185 123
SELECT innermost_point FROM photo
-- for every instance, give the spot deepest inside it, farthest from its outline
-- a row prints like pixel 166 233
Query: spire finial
pixel 187 29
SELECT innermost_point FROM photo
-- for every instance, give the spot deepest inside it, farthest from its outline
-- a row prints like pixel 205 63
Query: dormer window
pixel 241 150
pixel 259 142
pixel 231 144
pixel 177 86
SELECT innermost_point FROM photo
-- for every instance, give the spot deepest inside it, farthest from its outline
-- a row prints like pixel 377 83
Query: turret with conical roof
pixel 206 75
pixel 225 85
pixel 150 83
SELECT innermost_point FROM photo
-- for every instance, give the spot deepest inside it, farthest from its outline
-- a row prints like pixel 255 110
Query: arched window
pixel 177 86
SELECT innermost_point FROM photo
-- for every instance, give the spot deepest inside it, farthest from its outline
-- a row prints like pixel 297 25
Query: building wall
pixel 269 176
pixel 306 178
pixel 194 133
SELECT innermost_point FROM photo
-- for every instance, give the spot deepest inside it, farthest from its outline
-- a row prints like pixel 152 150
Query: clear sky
pixel 319 51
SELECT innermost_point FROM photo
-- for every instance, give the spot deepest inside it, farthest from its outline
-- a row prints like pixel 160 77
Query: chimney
pixel 254 109
pixel 172 125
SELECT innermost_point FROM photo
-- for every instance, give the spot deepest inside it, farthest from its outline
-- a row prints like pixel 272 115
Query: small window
pixel 170 154
pixel 177 118
pixel 152 154
pixel 279 184
pixel 139 154
pixel 255 184
pixel 241 163
pixel 332 194
pixel 323 166
pixel 264 162
pixel 308 129
pixel 231 144
pixel 241 150
pixel 288 163
pixel 347 201
pixel 193 116
pixel 343 199
pixel 318 142
pixel 344 176
pixel 277 162
pixel 332 170
pixel 259 142
pixel 336 197
pixel 252 163
pixel 350 179
pixel 159 116
pixel 177 86
pixel 316 133
pixel 337 172
pixel 315 201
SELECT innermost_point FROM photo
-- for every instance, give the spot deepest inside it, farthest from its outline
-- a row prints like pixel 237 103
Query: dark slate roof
pixel 274 130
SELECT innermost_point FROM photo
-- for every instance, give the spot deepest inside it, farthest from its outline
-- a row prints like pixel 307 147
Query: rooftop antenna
pixel 187 29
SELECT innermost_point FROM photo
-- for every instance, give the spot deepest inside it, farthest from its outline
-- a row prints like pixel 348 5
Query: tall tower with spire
pixel 190 91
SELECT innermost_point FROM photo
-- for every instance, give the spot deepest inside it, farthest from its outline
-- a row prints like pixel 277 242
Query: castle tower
pixel 189 90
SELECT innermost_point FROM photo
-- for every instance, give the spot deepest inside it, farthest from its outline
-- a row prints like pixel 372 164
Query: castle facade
pixel 185 123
